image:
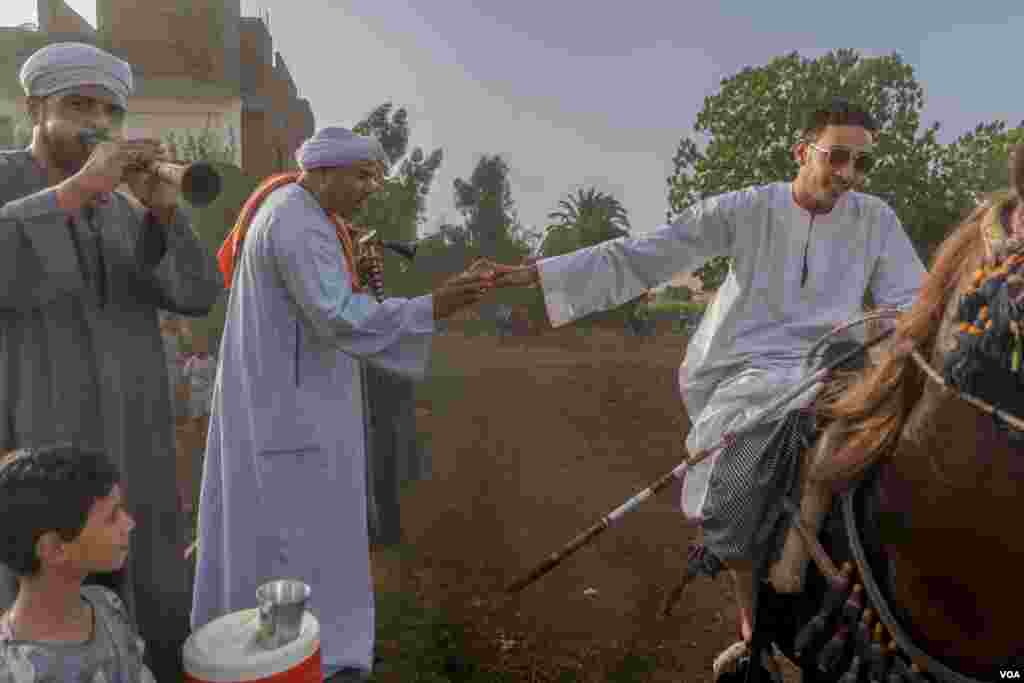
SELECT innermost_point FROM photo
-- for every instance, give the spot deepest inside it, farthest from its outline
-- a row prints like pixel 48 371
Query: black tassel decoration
pixel 863 635
pixel 853 607
pixel 852 674
pixel 832 655
pixel 813 634
pixel 876 659
pixel 895 666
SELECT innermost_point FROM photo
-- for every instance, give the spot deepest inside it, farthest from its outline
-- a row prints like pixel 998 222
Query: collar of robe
pixel 231 250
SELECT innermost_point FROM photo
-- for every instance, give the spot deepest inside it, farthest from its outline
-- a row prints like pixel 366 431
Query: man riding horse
pixel 925 446
pixel 804 255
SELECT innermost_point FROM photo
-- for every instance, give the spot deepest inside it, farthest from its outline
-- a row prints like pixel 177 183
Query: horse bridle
pixel 879 603
pixel 981 405
pixel 875 594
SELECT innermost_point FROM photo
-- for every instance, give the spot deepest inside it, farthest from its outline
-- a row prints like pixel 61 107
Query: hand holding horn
pixel 143 165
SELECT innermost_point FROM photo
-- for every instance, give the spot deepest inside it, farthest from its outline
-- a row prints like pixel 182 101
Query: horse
pixel 910 484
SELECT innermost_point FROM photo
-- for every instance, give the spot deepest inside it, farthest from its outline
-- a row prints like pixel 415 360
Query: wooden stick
pixel 585 537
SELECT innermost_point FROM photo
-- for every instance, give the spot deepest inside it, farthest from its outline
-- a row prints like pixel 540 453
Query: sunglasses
pixel 838 156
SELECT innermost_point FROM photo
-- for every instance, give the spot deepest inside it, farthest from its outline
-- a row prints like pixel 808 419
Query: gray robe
pixel 284 479
pixel 395 454
pixel 81 358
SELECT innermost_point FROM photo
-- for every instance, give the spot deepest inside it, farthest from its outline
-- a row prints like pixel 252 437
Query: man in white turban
pixel 284 485
pixel 84 270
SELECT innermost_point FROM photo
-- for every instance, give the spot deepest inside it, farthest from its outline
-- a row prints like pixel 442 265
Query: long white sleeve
pixel 611 273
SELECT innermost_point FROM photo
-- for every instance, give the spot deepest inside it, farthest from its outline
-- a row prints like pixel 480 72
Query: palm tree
pixel 583 219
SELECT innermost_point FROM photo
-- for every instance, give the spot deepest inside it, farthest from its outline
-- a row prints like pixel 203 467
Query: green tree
pixel 390 126
pixel 980 158
pixel 398 210
pixel 209 144
pixel 485 202
pixel 583 219
pixel 490 228
pixel 753 121
pixel 213 222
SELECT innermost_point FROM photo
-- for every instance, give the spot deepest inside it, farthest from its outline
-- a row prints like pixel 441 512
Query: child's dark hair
pixel 838 112
pixel 48 489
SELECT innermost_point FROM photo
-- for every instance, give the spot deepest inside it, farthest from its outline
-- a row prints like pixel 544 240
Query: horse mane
pixel 871 407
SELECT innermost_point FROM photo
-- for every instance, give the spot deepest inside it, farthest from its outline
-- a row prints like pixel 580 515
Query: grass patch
pixel 633 668
pixel 421 645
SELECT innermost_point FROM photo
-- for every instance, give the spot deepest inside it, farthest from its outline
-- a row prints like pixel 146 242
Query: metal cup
pixel 282 605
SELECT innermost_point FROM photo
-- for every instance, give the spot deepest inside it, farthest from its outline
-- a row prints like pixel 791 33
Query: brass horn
pixel 199 182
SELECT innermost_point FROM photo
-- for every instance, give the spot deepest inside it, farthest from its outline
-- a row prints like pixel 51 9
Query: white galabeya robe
pixel 284 483
pixel 751 344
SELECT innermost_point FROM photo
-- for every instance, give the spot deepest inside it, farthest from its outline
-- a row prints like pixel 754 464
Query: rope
pixel 1015 422
pixel 877 315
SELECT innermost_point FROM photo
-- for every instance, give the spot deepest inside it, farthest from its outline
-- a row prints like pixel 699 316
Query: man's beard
pixel 65 155
pixel 829 194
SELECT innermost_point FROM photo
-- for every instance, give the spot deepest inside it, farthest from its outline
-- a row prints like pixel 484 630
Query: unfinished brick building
pixel 198 64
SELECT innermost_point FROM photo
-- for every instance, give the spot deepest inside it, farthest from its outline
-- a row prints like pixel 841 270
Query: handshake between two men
pixel 470 286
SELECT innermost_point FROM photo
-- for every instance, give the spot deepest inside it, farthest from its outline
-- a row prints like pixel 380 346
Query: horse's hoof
pixel 730 661
pixel 731 665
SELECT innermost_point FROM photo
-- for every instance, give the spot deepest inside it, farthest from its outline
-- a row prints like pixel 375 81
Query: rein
pixel 818 555
pixel 983 406
pixel 881 606
pixel 877 599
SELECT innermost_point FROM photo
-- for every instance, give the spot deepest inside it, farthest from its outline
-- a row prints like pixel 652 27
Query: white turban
pixel 64 66
pixel 336 146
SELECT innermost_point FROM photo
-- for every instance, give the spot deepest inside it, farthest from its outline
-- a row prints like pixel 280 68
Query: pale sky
pixel 577 92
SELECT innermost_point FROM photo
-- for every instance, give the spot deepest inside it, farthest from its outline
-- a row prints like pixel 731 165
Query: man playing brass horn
pixel 83 272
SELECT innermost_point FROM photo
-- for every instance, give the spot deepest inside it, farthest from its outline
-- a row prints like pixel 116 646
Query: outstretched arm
pixel 612 273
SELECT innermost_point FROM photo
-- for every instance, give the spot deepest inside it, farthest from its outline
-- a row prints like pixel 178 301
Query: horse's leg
pixel 743 585
pixel 727 663
pixel 787 574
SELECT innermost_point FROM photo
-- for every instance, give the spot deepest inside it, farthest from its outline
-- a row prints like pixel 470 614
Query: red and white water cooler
pixel 227 650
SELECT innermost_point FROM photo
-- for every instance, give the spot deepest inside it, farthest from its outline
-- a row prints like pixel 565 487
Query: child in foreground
pixel 64 519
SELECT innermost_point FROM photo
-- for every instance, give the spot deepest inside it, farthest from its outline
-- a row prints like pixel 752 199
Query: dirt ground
pixel 532 442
